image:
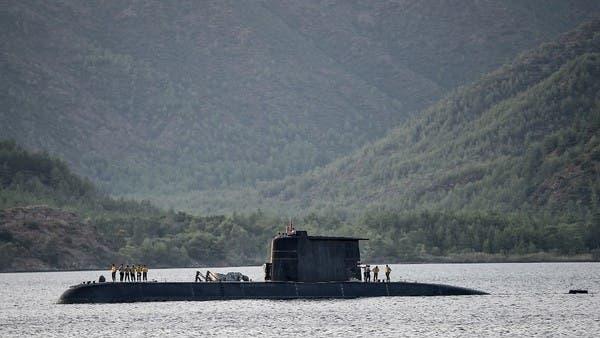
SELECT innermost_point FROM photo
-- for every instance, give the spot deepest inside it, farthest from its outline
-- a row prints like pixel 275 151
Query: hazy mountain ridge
pixel 448 44
pixel 182 124
pixel 188 103
pixel 153 98
pixel 523 137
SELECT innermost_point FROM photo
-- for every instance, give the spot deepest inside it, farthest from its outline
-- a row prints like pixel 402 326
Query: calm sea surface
pixel 526 300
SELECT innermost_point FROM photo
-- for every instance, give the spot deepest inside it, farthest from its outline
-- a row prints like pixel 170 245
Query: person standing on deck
pixel 387 273
pixel 145 273
pixel 121 272
pixel 127 271
pixel 375 273
pixel 368 273
pixel 139 272
pixel 113 272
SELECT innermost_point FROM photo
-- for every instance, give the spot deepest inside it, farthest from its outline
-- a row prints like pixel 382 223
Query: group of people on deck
pixel 367 273
pixel 134 273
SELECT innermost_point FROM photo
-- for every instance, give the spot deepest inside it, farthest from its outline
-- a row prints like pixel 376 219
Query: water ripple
pixel 526 300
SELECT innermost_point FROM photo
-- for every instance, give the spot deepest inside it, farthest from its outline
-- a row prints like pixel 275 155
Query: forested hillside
pixel 79 228
pixel 524 137
pixel 156 99
pixel 402 121
pixel 519 147
pixel 52 219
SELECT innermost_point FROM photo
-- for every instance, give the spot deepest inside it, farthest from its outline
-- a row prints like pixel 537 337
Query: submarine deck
pixel 189 291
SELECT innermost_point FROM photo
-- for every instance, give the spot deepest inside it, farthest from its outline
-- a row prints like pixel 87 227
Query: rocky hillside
pixel 51 219
pixel 41 238
pixel 154 98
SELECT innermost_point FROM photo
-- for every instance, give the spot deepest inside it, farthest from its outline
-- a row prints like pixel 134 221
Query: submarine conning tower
pixel 297 257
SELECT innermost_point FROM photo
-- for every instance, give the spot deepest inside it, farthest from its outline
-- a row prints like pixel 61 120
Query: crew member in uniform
pixel 113 272
pixel 375 273
pixel 387 272
pixel 121 272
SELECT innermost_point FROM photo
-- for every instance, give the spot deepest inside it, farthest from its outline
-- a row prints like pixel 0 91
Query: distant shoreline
pixel 481 258
pixel 585 258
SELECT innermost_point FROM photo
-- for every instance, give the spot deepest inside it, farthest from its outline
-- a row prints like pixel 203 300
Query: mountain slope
pixel 79 228
pixel 158 99
pixel 43 238
pixel 523 138
pixel 180 96
pixel 449 44
pixel 52 219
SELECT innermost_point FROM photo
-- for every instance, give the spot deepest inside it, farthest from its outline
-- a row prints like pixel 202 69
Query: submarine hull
pixel 184 291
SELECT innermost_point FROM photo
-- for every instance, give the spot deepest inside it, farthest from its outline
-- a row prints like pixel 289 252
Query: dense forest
pixel 187 135
pixel 516 154
pixel 77 227
pixel 51 218
pixel 150 99
pixel 509 164
pixel 523 136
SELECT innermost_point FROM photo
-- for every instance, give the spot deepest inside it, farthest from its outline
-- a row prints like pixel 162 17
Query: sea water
pixel 529 299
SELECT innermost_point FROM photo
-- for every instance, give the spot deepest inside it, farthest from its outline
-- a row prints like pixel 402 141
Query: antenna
pixel 290 228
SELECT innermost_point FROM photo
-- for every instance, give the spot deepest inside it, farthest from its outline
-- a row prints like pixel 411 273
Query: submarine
pixel 300 267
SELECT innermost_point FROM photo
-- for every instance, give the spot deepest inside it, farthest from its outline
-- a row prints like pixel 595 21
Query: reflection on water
pixel 526 299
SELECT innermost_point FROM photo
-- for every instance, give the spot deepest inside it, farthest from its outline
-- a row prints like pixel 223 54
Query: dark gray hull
pixel 158 292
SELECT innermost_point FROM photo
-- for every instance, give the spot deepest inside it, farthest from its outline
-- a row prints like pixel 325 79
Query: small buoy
pixel 577 291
